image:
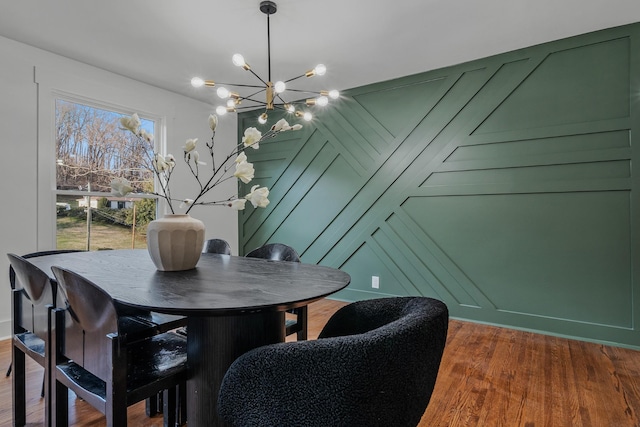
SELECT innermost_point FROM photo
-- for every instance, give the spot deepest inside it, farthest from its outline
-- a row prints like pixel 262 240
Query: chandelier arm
pixel 281 106
pixel 254 94
pixel 239 85
pixel 251 107
pixel 295 78
pixel 258 77
pixel 303 91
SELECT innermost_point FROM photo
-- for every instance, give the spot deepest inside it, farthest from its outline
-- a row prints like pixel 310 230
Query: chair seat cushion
pixel 149 361
pixel 157 357
pixel 30 342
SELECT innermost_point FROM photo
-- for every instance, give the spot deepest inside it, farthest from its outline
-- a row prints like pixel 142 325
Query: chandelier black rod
pixel 295 78
pixel 268 46
pixel 254 94
pixel 303 91
pixel 239 85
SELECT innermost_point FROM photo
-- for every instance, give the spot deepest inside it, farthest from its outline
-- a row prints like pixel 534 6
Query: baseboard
pixel 5 329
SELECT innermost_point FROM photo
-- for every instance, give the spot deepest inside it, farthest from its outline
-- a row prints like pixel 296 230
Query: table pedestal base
pixel 213 343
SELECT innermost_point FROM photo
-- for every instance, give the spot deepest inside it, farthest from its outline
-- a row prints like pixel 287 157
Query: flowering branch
pixel 163 166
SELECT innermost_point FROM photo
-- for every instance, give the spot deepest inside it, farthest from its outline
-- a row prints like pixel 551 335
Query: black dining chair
pixel 282 252
pixel 217 246
pixel 375 363
pixel 33 294
pixel 115 366
pixel 155 323
pixel 33 298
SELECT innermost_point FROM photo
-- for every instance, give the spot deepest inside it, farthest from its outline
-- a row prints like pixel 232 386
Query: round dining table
pixel 232 305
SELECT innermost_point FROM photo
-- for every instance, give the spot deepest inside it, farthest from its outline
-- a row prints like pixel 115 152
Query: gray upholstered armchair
pixel 374 364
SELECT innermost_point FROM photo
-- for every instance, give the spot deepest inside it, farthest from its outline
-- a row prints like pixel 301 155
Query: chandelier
pixel 269 95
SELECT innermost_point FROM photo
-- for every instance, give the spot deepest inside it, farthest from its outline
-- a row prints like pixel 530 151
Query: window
pixel 91 150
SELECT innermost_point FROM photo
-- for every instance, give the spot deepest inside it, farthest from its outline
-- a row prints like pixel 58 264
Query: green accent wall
pixel 502 186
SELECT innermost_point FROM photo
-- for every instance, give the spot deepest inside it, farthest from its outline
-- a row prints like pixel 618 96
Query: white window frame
pixel 53 85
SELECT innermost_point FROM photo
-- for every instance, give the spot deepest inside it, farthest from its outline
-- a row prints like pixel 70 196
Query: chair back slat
pixel 94 314
pixel 275 252
pixel 217 246
pixel 38 293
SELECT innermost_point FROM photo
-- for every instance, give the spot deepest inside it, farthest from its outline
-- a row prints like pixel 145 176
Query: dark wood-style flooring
pixel 489 377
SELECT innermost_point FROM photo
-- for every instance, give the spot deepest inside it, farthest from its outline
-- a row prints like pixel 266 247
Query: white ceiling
pixel 166 42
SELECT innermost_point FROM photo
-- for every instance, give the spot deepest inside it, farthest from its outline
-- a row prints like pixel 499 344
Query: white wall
pixel 29 80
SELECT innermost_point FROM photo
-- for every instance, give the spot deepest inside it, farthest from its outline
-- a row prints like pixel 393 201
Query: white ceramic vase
pixel 175 242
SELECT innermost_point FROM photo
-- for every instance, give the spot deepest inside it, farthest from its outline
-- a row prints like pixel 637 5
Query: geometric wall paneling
pixel 557 255
pixel 287 189
pixel 502 186
pixel 357 149
pixel 390 107
pixel 595 75
pixel 319 201
pixel 377 199
pixel 368 260
pixel 437 273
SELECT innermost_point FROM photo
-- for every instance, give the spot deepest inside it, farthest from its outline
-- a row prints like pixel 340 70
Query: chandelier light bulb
pixel 307 116
pixel 238 60
pixel 320 69
pixel 197 82
pixel 221 111
pixel 334 94
pixel 231 103
pixel 290 108
pixel 263 118
pixel 322 101
pixel 223 92
pixel 280 86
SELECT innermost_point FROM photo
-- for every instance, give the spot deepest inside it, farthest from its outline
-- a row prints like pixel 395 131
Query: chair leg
pixel 116 411
pixel 169 407
pixel 42 389
pixel 182 404
pixel 9 370
pixel 60 405
pixel 153 405
pixel 303 319
pixel 19 392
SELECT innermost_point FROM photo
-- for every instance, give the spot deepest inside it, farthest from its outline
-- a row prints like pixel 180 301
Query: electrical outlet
pixel 375 282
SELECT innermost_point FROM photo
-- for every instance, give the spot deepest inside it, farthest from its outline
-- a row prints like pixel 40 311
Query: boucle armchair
pixel 374 364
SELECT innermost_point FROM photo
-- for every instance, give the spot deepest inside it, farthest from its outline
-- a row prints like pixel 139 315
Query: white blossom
pixel 146 135
pixel 241 158
pixel 131 123
pixel 185 203
pixel 213 121
pixel 238 204
pixel 281 126
pixel 244 171
pixel 120 187
pixel 196 158
pixel 190 145
pixel 258 196
pixel 160 164
pixel 171 161
pixel 251 137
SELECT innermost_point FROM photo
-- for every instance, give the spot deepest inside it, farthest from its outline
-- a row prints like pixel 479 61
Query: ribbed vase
pixel 175 242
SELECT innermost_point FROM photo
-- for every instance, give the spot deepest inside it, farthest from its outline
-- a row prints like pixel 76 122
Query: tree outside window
pixel 92 149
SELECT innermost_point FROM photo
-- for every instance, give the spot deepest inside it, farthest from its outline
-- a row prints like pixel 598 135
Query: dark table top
pixel 219 285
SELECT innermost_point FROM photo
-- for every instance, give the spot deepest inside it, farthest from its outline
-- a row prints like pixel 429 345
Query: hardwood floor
pixel 489 377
